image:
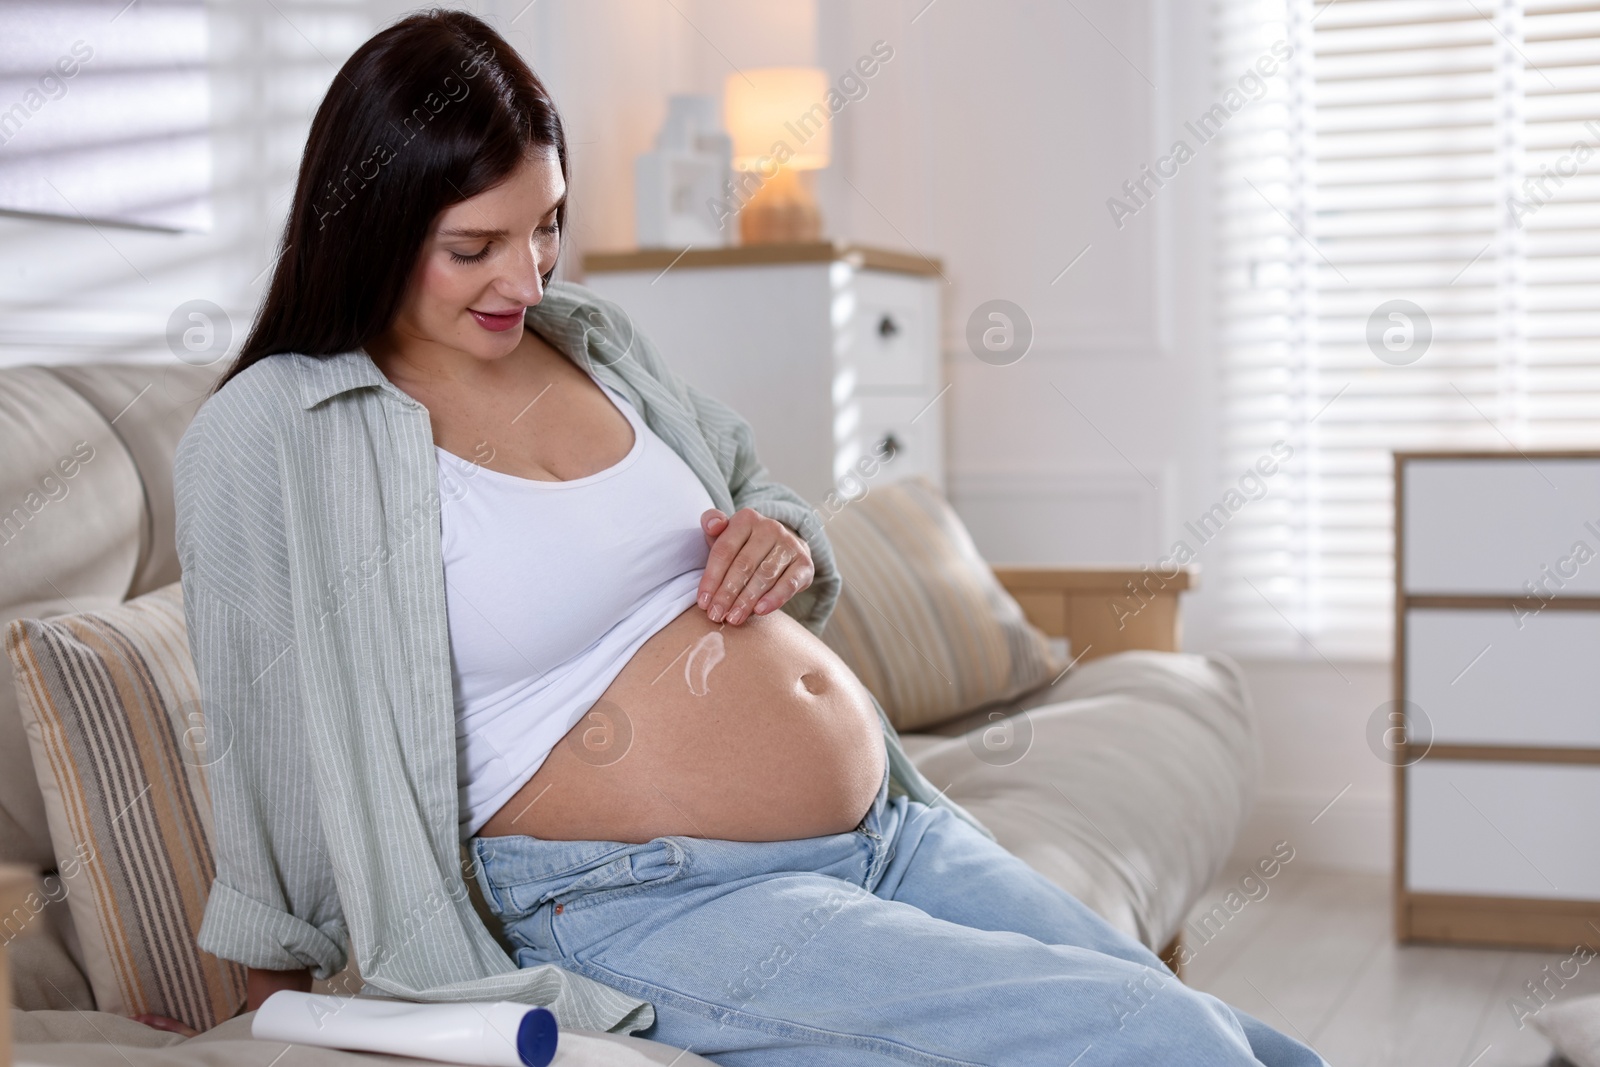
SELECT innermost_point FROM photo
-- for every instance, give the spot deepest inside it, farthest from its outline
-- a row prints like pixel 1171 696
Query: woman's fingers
pixel 754 544
pixel 795 577
pixel 712 523
pixel 162 1022
pixel 726 542
pixel 766 575
pixel 754 566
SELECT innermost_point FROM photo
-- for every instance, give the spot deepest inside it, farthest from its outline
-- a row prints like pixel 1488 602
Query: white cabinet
pixel 1486 677
pixel 1497 526
pixel 1497 664
pixel 1485 829
pixel 830 352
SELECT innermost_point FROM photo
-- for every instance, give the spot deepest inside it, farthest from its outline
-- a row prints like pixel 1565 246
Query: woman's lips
pixel 497 322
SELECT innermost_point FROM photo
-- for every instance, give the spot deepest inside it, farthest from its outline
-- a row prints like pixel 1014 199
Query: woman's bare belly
pixel 756 732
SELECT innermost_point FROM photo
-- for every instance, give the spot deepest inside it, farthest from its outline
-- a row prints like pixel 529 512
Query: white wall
pixel 610 65
pixel 997 151
pixel 991 140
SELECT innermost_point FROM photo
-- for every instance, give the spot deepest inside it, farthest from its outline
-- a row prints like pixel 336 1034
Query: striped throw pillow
pixel 112 708
pixel 922 620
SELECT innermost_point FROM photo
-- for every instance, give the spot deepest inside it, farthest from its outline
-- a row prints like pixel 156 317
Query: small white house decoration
pixel 689 169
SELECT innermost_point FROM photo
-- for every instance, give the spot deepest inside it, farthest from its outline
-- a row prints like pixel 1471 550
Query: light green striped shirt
pixel 308 529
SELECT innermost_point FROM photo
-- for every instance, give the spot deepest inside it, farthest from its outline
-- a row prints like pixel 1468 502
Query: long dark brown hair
pixel 431 111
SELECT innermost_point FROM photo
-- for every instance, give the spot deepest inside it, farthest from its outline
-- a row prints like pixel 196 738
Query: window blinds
pixel 1409 258
pixel 105 111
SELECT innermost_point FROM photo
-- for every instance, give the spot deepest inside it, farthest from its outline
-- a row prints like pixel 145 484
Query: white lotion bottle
pixel 487 1034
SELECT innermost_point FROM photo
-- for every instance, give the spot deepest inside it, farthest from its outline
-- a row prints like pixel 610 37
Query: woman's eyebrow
pixel 473 233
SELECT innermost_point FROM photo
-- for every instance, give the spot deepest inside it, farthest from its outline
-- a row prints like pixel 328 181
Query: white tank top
pixel 550 588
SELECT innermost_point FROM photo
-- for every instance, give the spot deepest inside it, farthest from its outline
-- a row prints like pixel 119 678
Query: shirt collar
pixel 564 317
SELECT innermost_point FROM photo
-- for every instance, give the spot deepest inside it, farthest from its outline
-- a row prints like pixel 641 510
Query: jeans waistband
pixel 516 870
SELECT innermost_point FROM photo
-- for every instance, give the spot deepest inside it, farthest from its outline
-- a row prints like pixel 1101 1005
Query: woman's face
pixel 482 264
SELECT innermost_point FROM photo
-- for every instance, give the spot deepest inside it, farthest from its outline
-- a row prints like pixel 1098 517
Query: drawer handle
pixel 887 327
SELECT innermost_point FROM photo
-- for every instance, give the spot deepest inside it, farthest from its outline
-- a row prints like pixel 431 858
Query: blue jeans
pixel 910 939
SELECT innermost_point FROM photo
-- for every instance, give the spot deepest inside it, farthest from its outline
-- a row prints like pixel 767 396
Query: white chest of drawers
pixel 830 352
pixel 1497 670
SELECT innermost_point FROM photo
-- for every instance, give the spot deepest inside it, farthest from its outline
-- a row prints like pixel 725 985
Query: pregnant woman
pixel 481 593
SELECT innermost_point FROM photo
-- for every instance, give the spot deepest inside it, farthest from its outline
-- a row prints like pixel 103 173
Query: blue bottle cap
pixel 536 1037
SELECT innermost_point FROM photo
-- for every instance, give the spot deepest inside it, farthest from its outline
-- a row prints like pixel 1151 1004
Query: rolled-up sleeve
pixel 274 903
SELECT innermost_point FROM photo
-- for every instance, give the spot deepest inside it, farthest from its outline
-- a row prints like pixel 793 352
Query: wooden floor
pixel 1315 958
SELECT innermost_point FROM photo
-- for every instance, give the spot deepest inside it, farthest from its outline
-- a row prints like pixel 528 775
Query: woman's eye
pixel 550 229
pixel 476 257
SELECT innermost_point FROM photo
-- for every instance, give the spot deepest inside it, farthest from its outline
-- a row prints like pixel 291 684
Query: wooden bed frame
pixel 1101 610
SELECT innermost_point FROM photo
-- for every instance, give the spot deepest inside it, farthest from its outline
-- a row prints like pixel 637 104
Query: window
pixel 104 112
pixel 1408 235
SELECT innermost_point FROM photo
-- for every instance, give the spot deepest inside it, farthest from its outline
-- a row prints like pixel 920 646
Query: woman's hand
pixel 260 984
pixel 756 564
pixel 162 1022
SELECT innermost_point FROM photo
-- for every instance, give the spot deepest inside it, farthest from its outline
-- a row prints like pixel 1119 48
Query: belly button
pixel 812 682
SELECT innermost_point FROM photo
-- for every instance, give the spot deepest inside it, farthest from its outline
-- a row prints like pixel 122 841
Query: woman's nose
pixel 526 280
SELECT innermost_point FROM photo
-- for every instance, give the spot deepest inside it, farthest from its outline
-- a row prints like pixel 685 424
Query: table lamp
pixel 779 120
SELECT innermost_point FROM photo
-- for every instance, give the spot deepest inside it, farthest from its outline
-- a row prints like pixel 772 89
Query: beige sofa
pixel 1141 768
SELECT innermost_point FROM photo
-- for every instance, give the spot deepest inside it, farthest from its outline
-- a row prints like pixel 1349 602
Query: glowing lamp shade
pixel 766 105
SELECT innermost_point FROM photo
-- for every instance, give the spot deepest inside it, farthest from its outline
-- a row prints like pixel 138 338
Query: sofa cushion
pixel 45 957
pixel 149 406
pixel 70 533
pixel 1128 792
pixel 111 705
pixel 922 620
